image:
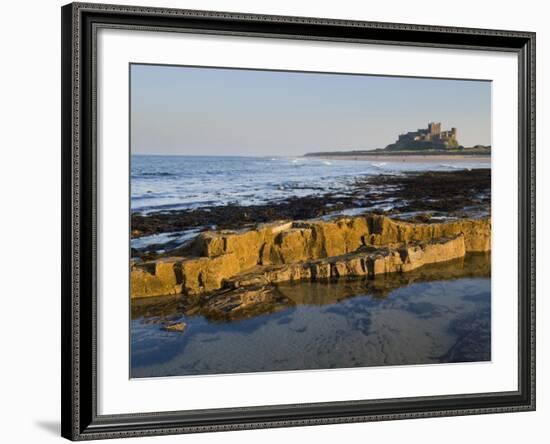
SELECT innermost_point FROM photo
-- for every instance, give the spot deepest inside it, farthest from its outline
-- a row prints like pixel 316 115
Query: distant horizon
pixel 419 153
pixel 211 155
pixel 192 111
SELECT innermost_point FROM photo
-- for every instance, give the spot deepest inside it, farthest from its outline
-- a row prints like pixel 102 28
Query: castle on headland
pixel 431 138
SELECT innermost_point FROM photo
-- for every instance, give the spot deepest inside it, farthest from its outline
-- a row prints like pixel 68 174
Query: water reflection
pixel 436 314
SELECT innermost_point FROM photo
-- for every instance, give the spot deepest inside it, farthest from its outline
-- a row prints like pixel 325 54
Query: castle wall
pixel 430 138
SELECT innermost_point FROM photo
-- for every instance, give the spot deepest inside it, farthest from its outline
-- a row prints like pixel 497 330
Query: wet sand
pixel 411 158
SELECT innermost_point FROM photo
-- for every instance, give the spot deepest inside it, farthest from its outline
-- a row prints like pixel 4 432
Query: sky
pixel 218 111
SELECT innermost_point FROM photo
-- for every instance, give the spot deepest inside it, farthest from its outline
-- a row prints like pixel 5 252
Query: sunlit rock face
pixel 306 250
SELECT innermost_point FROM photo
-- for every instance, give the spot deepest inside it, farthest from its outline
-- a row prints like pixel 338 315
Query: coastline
pixel 384 223
pixel 409 157
pixel 225 280
pixel 413 195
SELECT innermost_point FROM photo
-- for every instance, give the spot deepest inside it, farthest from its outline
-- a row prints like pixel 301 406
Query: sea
pixel 164 183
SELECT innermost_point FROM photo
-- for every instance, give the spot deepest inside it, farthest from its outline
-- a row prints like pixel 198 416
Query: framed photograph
pixel 281 221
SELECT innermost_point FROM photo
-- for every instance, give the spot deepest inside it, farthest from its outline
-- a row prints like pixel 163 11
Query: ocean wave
pixel 164 184
pixel 453 167
pixel 379 165
pixel 145 196
pixel 153 174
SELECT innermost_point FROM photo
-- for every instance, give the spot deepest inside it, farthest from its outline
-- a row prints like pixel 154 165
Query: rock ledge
pixel 306 250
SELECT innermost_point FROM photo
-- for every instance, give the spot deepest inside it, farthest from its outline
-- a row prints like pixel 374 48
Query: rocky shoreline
pixel 385 230
pixel 422 196
pixel 370 245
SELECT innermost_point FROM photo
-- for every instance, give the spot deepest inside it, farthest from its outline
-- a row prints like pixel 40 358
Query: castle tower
pixel 454 133
pixel 434 129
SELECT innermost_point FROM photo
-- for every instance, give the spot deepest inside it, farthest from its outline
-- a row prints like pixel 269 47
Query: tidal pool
pixel 437 314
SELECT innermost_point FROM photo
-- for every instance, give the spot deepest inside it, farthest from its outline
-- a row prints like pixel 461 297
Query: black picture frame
pixel 80 22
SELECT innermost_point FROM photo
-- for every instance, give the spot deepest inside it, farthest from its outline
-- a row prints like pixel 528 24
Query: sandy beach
pixel 411 158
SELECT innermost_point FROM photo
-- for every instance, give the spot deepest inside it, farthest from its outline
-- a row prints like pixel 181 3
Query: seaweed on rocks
pixel 418 196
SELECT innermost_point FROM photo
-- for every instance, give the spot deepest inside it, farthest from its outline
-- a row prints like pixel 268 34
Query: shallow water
pixel 438 314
